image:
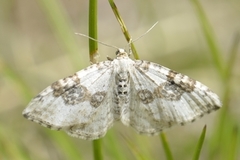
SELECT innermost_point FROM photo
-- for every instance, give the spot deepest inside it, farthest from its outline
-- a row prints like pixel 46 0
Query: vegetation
pixel 38 46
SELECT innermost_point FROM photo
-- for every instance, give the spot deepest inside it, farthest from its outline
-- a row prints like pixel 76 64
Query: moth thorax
pixel 122 82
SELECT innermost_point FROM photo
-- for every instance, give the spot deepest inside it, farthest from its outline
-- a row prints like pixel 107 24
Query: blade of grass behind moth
pixel 11 148
pixel 228 76
pixel 210 38
pixel 123 28
pixel 200 144
pixel 93 47
pixel 65 143
pixel 166 147
pixel 59 138
pixel 61 27
pixel 14 76
pixel 138 155
pixel 233 54
pixel 234 144
pixel 225 122
pixel 97 149
pixel 113 148
pixel 25 90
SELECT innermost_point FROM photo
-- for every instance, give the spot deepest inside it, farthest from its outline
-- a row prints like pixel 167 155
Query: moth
pixel 141 94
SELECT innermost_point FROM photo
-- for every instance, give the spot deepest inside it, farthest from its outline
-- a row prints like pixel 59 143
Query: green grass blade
pixel 97 149
pixel 64 143
pixel 138 155
pixel 124 28
pixel 18 80
pixel 112 148
pixel 93 45
pixel 25 90
pixel 61 28
pixel 233 54
pixel 210 38
pixel 234 148
pixel 200 144
pixel 11 148
pixel 221 137
pixel 166 147
pixel 225 125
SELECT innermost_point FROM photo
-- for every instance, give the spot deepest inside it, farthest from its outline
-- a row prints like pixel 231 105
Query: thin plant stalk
pixel 124 28
pixel 200 144
pixel 93 47
pixel 61 27
pixel 166 147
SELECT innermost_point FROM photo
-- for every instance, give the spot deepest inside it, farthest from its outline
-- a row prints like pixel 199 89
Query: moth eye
pixel 117 52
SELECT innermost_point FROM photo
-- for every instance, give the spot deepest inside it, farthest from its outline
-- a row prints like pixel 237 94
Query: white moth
pixel 140 94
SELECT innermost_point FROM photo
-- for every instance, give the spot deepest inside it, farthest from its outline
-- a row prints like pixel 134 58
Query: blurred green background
pixel 38 46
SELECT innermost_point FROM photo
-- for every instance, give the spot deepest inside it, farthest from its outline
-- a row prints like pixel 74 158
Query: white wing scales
pixel 146 116
pixel 174 98
pixel 97 123
pixel 56 107
pixel 142 94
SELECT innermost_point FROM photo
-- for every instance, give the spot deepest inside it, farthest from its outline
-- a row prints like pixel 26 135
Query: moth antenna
pixel 144 33
pixel 105 44
pixel 131 41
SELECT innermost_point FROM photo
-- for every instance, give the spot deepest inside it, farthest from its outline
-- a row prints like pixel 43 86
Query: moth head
pixel 121 53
